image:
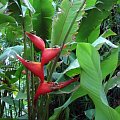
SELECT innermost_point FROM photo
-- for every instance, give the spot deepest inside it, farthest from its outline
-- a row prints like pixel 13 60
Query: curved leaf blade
pixel 91 81
pixel 6 19
pixel 65 24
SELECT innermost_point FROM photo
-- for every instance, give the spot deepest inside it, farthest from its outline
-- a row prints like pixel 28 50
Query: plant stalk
pixel 27 81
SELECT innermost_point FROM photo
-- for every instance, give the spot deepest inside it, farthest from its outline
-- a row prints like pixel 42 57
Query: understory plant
pixel 57 60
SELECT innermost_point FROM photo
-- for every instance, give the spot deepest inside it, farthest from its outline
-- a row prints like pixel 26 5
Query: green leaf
pixel 6 19
pixel 78 93
pixel 100 41
pixel 90 113
pixel 94 35
pixel 3 8
pixel 16 9
pixel 73 69
pixel 108 33
pixel 91 81
pixel 109 64
pixel 8 100
pixel 42 19
pixel 28 23
pixel 111 83
pixel 118 109
pixel 21 95
pixel 29 6
pixel 11 52
pixel 90 3
pixel 65 24
pixel 93 18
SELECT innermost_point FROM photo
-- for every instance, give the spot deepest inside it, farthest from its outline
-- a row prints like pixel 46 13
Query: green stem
pixel 47 106
pixel 32 82
pixel 27 81
pixel 64 40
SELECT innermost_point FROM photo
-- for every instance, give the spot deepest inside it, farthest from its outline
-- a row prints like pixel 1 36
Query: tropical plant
pixel 70 65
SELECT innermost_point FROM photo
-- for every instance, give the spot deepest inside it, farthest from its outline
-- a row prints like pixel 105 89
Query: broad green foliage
pixel 21 95
pixel 109 64
pixel 6 19
pixel 78 93
pixel 93 19
pixel 65 24
pixel 91 81
pixel 73 69
pixel 42 19
pixel 108 33
pixel 90 3
pixel 111 83
pixel 15 7
pixel 30 7
pixel 100 41
pixel 11 52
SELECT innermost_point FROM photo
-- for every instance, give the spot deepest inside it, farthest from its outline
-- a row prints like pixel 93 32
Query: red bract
pixel 48 87
pixel 35 67
pixel 37 41
pixel 48 54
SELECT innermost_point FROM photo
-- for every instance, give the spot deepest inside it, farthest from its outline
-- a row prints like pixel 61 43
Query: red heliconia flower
pixel 37 41
pixel 47 87
pixel 35 67
pixel 49 53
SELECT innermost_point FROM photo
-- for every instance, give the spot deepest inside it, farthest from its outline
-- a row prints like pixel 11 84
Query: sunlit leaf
pixel 91 81
pixel 100 41
pixel 21 95
pixel 108 33
pixel 109 64
pixel 30 7
pixel 73 69
pixel 65 24
pixel 90 113
pixel 111 83
pixel 93 18
pixel 11 52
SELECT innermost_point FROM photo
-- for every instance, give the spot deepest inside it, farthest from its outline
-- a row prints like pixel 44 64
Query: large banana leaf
pixel 91 81
pixel 65 24
pixel 93 19
pixel 42 19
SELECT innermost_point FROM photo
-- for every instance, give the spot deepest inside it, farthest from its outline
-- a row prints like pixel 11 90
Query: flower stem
pixel 25 56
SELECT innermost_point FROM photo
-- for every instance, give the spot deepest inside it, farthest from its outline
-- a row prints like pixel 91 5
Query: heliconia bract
pixel 37 41
pixel 48 54
pixel 35 67
pixel 48 87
